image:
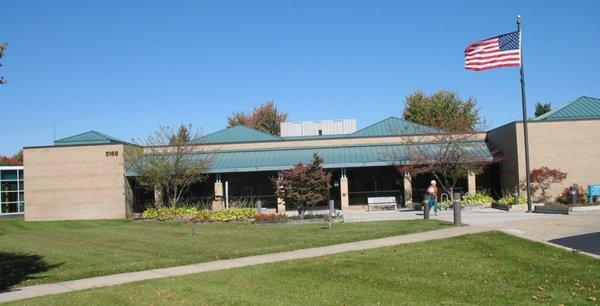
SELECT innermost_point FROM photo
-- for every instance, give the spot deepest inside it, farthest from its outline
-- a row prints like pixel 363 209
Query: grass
pixel 481 269
pixel 46 252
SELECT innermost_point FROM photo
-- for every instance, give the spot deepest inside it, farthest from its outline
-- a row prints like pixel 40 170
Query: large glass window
pixel 8 175
pixel 9 186
pixel 12 195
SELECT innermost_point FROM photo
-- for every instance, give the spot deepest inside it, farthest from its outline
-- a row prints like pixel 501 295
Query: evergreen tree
pixel 542 108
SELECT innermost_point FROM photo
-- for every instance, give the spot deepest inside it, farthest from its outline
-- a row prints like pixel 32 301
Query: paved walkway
pixel 531 226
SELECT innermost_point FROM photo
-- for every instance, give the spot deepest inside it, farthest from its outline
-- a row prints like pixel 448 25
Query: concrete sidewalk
pixel 540 228
pixel 122 278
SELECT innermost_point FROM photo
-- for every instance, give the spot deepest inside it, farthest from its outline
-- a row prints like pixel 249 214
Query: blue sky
pixel 126 67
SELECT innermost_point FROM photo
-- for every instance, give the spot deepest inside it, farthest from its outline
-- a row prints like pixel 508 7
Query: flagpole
pixel 525 132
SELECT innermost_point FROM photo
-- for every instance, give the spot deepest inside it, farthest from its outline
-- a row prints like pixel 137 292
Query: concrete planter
pixel 501 206
pixel 551 210
pixel 585 208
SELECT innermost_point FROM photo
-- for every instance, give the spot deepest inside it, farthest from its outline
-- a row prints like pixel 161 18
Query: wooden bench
pixel 382 202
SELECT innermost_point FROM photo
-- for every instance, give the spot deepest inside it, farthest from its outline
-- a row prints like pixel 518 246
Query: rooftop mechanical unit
pixel 317 128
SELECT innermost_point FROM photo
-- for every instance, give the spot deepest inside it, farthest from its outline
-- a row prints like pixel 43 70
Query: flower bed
pixel 199 215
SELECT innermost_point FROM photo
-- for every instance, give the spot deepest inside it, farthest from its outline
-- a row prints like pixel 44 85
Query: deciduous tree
pixel 304 185
pixel 15 160
pixel 450 154
pixel 542 179
pixel 168 164
pixel 444 110
pixel 266 118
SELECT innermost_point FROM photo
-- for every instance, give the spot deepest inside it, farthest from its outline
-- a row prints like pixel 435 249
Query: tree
pixel 542 108
pixel 167 164
pixel 450 154
pixel 542 179
pixel 3 47
pixel 266 118
pixel 182 136
pixel 444 110
pixel 15 160
pixel 304 185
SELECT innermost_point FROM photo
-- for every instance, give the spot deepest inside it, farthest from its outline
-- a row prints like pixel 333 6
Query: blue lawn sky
pixel 125 67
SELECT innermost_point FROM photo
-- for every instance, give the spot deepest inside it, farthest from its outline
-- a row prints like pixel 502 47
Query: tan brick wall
pixel 78 182
pixel 570 146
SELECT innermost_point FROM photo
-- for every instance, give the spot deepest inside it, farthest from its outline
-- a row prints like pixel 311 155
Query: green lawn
pixel 482 269
pixel 45 252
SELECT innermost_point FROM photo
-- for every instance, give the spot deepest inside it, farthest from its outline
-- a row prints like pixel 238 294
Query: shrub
pixel 510 200
pixel 479 198
pixel 565 196
pixel 270 217
pixel 203 215
pixel 542 179
pixel 233 214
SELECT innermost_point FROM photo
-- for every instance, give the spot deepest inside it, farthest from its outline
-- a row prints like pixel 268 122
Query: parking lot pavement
pixel 586 242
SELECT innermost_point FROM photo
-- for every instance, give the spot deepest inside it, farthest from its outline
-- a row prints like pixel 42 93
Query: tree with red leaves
pixel 265 118
pixel 15 160
pixel 542 179
pixel 304 185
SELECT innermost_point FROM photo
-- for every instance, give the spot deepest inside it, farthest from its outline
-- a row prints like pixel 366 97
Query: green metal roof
pixel 393 126
pixel 334 157
pixel 238 133
pixel 91 137
pixel 581 108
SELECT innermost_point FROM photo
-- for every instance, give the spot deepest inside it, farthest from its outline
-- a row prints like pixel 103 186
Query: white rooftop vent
pixel 316 128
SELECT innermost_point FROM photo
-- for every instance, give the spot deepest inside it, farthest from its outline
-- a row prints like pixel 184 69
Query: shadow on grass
pixel 17 267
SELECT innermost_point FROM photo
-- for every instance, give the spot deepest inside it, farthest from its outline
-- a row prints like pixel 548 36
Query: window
pixel 12 195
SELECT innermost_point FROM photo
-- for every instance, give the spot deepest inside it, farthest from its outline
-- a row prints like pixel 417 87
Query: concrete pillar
pixel 217 203
pixel 407 190
pixel 280 205
pixel 280 201
pixel 472 186
pixel 158 199
pixel 344 198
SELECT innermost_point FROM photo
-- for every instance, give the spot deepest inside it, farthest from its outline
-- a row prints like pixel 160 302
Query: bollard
pixel 516 196
pixel 426 207
pixel 457 208
pixel 574 194
pixel 259 206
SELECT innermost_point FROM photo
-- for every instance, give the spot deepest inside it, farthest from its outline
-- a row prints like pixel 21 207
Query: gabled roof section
pixel 580 108
pixel 238 133
pixel 393 126
pixel 91 137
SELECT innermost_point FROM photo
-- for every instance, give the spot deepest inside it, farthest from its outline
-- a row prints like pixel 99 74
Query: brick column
pixel 344 198
pixel 217 203
pixel 407 190
pixel 472 186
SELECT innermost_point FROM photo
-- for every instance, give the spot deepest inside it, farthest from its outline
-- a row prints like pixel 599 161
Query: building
pixel 12 196
pixel 87 176
pixel 566 138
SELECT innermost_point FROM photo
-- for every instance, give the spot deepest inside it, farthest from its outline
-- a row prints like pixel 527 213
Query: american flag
pixel 495 52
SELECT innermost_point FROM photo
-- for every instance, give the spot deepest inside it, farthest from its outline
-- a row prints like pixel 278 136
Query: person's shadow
pixel 17 267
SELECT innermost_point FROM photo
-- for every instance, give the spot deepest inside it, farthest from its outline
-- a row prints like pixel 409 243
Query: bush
pixel 565 196
pixel 479 198
pixel 233 214
pixel 270 217
pixel 510 200
pixel 174 213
